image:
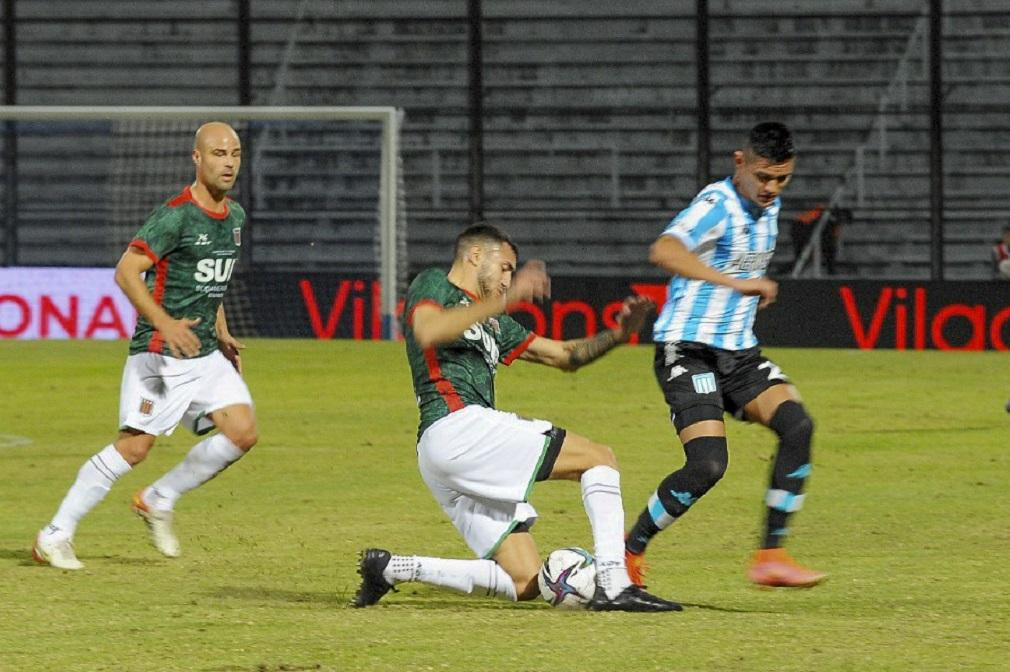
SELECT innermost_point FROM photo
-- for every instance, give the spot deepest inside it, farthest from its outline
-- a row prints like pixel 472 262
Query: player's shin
pixel 204 461
pixel 789 472
pixel 707 459
pixel 601 495
pixel 485 577
pixel 94 480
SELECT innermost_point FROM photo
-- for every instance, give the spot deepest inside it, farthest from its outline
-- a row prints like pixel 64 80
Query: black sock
pixel 706 463
pixel 789 472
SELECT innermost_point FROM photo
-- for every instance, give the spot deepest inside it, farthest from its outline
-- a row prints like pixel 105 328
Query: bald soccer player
pixel 184 365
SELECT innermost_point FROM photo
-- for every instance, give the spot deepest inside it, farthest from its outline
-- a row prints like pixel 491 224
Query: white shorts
pixel 481 463
pixel 159 392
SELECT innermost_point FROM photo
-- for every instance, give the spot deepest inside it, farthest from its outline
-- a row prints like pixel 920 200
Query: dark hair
pixel 481 233
pixel 773 141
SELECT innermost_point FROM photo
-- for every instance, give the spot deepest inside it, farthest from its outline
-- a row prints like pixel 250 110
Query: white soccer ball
pixel 568 578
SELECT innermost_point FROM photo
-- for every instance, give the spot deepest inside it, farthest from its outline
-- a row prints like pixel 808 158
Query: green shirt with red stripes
pixel 194 253
pixel 453 375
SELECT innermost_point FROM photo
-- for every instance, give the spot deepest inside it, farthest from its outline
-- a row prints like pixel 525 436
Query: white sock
pixel 204 461
pixel 94 479
pixel 601 495
pixel 461 575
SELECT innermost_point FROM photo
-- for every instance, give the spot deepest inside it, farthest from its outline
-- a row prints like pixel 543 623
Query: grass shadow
pixel 728 610
pixel 22 555
pixel 261 594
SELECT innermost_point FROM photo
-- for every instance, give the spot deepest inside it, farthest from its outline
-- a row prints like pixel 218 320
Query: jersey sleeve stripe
pixel 518 350
pixel 145 248
pixel 442 384
pixel 157 343
pixel 422 302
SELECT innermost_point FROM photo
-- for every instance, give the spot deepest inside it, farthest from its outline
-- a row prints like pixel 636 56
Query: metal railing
pixel 895 97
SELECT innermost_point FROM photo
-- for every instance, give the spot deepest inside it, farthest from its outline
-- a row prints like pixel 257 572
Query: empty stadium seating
pixel 590 119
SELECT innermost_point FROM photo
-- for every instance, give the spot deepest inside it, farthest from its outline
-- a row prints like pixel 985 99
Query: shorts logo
pixel 704 383
pixel 146 406
pixel 675 371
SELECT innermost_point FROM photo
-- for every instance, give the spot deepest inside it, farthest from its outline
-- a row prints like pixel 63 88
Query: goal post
pixel 390 230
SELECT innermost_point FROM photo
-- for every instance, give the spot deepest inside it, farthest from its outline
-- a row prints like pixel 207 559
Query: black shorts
pixel 700 382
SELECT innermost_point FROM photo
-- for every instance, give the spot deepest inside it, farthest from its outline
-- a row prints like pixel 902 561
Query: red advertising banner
pixel 86 303
pixel 63 303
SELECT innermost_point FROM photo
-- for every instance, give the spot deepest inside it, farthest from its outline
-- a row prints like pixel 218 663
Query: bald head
pixel 214 130
pixel 217 155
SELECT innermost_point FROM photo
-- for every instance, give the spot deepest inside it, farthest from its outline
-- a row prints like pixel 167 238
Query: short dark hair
pixel 772 140
pixel 479 234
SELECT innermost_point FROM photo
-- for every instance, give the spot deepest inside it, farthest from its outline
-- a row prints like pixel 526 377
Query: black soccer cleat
pixel 632 598
pixel 371 562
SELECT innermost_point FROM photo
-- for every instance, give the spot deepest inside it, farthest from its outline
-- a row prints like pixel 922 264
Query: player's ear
pixel 196 157
pixel 739 158
pixel 475 254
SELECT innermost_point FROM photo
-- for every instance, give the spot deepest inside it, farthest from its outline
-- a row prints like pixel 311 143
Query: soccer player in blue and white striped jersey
pixel 707 358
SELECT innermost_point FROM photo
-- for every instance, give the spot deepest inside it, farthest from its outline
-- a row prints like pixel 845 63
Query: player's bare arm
pixel 435 325
pixel 226 343
pixel 574 354
pixel 177 333
pixel 670 254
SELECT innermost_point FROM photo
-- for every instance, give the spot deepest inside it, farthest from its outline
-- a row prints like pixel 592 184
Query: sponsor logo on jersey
pixel 752 261
pixel 489 346
pixel 214 270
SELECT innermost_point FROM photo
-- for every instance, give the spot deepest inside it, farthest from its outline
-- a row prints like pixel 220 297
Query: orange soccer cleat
pixel 637 567
pixel 776 568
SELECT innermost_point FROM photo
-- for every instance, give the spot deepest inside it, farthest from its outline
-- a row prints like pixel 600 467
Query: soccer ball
pixel 568 578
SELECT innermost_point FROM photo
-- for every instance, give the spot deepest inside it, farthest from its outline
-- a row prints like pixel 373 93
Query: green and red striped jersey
pixel 450 376
pixel 194 253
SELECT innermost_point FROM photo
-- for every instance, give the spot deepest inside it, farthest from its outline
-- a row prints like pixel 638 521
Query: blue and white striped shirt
pixel 723 232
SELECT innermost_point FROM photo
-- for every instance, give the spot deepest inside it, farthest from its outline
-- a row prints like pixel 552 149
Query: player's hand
pixel 530 282
pixel 179 337
pixel 632 315
pixel 230 347
pixel 766 288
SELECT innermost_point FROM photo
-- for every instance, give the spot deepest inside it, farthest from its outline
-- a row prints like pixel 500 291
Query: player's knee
pixel 791 421
pixel 707 459
pixel 604 456
pixel 134 447
pixel 245 437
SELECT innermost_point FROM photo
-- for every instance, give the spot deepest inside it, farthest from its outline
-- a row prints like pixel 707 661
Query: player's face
pixel 758 179
pixel 498 264
pixel 218 157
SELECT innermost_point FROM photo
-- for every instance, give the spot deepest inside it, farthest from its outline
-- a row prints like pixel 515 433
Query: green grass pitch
pixel 909 511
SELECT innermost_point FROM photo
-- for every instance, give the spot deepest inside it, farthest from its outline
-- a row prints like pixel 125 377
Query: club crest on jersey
pixel 236 235
pixel 146 406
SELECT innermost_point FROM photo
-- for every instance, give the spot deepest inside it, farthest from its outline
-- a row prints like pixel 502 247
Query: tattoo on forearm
pixel 587 350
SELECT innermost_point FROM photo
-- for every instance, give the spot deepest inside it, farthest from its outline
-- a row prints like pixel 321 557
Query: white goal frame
pixel 389 160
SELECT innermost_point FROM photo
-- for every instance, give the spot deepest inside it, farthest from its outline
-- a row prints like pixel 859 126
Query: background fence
pixel 581 126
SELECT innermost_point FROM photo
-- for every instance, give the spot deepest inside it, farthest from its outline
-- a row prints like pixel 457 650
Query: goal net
pixel 322 187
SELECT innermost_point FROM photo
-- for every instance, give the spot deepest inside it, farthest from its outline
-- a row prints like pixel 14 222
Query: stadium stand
pixel 590 128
